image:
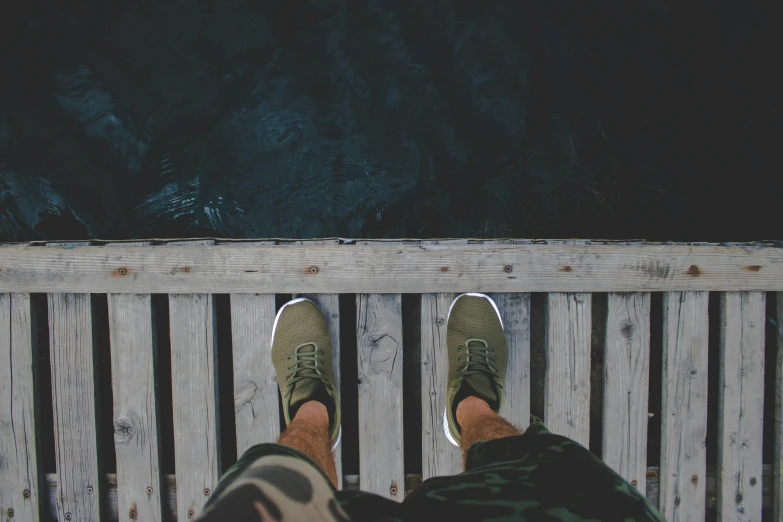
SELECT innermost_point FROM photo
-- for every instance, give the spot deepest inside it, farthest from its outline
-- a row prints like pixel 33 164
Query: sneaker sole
pixel 272 342
pixel 446 429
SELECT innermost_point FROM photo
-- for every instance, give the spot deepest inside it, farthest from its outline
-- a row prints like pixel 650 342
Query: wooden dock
pixel 622 346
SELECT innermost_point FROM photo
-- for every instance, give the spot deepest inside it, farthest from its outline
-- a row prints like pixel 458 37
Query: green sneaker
pixel 478 356
pixel 302 357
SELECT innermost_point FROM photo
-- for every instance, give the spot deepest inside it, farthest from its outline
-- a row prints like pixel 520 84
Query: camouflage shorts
pixel 534 476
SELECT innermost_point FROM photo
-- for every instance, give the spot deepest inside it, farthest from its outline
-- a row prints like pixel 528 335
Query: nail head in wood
pixel 508 269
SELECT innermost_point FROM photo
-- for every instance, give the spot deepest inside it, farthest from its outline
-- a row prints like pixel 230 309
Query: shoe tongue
pixel 482 382
pixel 306 387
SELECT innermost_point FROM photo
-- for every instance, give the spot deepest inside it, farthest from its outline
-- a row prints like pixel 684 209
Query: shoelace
pixel 477 359
pixel 306 365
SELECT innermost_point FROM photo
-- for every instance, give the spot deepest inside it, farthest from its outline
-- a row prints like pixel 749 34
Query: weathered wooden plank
pixel 379 348
pixel 330 307
pixel 626 381
pixel 741 405
pixel 255 383
pixel 567 380
pixel 19 473
pixel 390 268
pixel 684 405
pixel 136 428
pixel 74 403
pixel 777 468
pixel 439 456
pixel 515 312
pixel 194 398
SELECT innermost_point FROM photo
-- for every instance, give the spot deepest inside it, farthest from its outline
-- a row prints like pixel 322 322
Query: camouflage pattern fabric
pixel 535 476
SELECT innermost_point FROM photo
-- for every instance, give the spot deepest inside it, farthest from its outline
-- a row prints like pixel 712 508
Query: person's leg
pixel 480 423
pixel 309 433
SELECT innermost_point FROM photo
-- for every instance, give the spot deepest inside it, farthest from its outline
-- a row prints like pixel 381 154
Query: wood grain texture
pixel 567 379
pixel 74 403
pixel 684 405
pixel 740 405
pixel 439 456
pixel 777 467
pixel 19 473
pixel 626 385
pixel 134 390
pixel 330 307
pixel 255 383
pixel 194 399
pixel 390 268
pixel 380 353
pixel 515 312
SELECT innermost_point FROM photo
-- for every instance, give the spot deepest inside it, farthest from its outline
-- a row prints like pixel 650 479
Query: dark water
pixel 377 118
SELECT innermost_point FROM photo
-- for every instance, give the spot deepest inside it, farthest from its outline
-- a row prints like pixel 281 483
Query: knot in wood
pixel 125 428
pixel 627 329
pixel 753 481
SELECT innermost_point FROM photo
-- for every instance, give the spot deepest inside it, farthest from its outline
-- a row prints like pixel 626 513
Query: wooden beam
pixel 380 353
pixel 19 473
pixel 194 398
pixel 255 381
pixel 74 403
pixel 438 455
pixel 515 312
pixel 390 268
pixel 567 379
pixel 740 405
pixel 684 405
pixel 134 390
pixel 626 385
pixel 330 307
pixel 777 468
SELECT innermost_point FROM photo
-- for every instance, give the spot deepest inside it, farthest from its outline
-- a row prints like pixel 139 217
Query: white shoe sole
pixel 272 342
pixel 446 429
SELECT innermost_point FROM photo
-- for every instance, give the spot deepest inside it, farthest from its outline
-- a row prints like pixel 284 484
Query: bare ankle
pixel 313 411
pixel 470 407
